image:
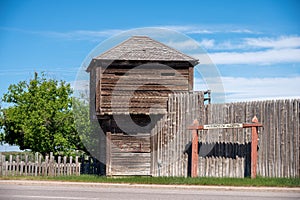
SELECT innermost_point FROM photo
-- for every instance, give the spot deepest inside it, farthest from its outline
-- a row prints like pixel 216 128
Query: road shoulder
pixel 195 187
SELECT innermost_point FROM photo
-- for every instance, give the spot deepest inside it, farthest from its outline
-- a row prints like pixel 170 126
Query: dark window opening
pixel 168 74
pixel 120 74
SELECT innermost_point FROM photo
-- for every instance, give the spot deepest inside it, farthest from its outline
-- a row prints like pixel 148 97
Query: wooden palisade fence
pixel 17 166
pixel 171 155
pixel 169 137
pixel 222 152
pixel 195 143
pixel 227 152
pixel 279 138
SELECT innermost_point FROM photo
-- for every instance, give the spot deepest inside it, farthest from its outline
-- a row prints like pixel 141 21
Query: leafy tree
pixel 40 116
pixel 88 131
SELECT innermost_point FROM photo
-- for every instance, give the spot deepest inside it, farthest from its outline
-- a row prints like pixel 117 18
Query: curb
pixel 127 185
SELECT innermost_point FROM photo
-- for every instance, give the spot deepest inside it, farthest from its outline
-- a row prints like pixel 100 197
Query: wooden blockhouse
pixel 132 81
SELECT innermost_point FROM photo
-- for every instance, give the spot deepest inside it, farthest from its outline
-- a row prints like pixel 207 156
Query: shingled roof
pixel 143 48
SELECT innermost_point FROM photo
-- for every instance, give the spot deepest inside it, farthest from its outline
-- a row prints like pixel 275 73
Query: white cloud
pixel 282 42
pixel 243 31
pixel 284 49
pixel 190 29
pixel 82 34
pixel 256 57
pixel 80 85
pixel 248 89
pixel 206 29
pixel 183 45
pixel 227 45
pixel 276 43
pixel 93 35
pixel 201 31
pixel 190 44
pixel 96 35
pixel 206 43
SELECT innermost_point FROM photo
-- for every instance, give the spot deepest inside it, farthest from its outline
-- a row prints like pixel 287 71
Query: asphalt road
pixel 17 190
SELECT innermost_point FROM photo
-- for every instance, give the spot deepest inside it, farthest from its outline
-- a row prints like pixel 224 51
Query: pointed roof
pixel 143 48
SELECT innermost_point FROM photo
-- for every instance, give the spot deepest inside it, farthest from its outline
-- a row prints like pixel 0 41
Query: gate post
pixel 254 138
pixel 195 156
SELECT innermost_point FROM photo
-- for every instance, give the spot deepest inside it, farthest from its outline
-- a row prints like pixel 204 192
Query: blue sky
pixel 254 44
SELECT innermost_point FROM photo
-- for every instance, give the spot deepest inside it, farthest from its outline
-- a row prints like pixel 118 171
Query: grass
pixel 258 182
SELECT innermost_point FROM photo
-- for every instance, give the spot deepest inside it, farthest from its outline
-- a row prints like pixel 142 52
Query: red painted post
pixel 195 157
pixel 254 142
pixel 195 127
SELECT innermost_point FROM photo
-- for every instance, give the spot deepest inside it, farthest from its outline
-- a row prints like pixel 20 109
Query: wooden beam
pixel 193 127
pixel 204 127
pixel 195 156
pixel 254 124
pixel 92 93
pixel 98 89
pixel 254 138
pixel 191 79
pixel 254 135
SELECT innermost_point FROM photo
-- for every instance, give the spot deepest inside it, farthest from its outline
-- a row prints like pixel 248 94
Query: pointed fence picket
pixel 15 166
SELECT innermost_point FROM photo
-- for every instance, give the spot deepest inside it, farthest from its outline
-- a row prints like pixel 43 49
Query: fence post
pixel 17 165
pixel 76 166
pixel 254 138
pixel 71 165
pixel 11 165
pixel 65 169
pixel 51 164
pixel 195 157
pixel 40 165
pixel 59 166
pixel 47 171
pixel 36 164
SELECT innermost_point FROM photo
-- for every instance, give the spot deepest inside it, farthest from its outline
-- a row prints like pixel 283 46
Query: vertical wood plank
pixel 11 165
pixel 195 156
pixel 65 167
pixel 18 165
pixel 108 153
pixel 98 89
pixel 71 163
pixel 254 137
pixel 59 165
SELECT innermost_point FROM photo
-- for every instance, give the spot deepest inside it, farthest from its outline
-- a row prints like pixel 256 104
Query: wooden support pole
pixel 254 126
pixel 195 157
pixel 254 138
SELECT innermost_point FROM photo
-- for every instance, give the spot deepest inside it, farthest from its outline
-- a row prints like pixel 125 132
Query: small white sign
pixel 217 126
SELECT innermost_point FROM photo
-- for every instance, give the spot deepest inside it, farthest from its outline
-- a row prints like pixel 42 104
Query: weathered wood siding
pixel 226 152
pixel 279 138
pixel 130 88
pixel 128 154
pixel 170 138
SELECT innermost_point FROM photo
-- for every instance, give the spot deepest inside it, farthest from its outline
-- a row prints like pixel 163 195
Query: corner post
pixel 254 138
pixel 195 156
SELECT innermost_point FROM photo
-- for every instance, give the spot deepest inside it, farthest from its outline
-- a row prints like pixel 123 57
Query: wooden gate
pixel 128 154
pixel 195 137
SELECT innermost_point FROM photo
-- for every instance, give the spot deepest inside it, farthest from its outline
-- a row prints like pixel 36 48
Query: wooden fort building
pixel 129 88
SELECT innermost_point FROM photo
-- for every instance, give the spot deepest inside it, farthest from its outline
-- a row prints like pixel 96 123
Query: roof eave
pixel 106 62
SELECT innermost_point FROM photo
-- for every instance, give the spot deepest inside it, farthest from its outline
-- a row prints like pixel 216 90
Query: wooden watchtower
pixel 132 81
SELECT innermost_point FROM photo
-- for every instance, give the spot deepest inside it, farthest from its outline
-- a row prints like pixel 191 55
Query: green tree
pixel 40 116
pixel 88 131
